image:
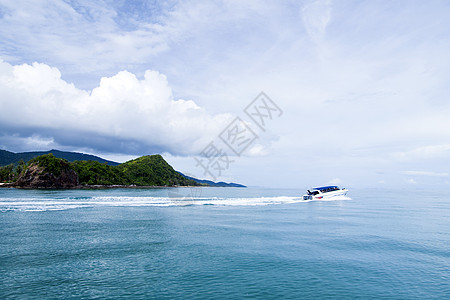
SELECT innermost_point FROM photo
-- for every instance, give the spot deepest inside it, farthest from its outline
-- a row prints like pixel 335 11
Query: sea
pixel 224 243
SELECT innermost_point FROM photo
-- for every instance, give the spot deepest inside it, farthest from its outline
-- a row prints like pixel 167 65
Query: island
pixel 50 172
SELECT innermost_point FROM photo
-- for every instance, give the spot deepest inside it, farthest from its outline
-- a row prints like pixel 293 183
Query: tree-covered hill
pixel 7 157
pixel 153 170
pixel 95 173
pixel 150 170
pixel 48 171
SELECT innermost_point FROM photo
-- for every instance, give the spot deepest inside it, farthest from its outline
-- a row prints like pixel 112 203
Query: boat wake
pixel 336 198
pixel 53 204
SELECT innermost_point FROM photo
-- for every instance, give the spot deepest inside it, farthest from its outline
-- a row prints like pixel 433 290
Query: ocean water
pixel 224 243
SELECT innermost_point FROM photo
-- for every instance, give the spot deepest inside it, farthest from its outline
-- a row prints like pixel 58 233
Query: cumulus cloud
pixel 123 114
pixel 86 37
pixel 257 150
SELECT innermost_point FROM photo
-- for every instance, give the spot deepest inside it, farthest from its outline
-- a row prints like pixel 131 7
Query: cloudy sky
pixel 362 87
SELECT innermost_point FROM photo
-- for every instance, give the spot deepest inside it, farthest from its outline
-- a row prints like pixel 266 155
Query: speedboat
pixel 324 192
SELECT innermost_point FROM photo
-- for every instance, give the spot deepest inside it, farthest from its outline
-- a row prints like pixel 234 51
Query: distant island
pixel 78 170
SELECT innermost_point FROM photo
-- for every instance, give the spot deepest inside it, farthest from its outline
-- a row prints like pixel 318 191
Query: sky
pixel 355 93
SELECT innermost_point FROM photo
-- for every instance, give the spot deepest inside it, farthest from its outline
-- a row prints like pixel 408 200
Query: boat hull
pixel 325 196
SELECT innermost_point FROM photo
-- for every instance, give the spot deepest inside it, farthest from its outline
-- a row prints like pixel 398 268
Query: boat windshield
pixel 313 193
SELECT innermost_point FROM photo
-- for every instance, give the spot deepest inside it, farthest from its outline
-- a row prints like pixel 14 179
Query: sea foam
pixel 50 204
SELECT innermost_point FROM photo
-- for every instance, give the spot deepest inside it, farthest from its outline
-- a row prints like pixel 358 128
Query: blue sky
pixel 363 85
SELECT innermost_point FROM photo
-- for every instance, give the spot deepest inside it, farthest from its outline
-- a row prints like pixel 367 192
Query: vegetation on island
pixel 11 172
pixel 151 170
pixel 50 164
pixel 96 173
pixel 8 157
pixel 60 169
pixel 47 171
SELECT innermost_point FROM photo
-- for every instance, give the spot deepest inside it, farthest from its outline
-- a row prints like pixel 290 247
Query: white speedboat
pixel 324 192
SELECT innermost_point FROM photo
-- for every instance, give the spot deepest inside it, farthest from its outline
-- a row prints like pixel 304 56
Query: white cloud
pixel 136 113
pixel 85 37
pixel 411 181
pixel 316 16
pixel 257 150
pixel 41 143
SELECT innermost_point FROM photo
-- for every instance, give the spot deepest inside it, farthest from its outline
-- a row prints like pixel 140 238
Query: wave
pixel 51 204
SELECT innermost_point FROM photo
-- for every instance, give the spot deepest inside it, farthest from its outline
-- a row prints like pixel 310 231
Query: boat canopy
pixel 323 188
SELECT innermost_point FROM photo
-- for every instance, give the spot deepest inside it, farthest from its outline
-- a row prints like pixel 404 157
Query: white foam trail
pixel 47 204
pixel 336 198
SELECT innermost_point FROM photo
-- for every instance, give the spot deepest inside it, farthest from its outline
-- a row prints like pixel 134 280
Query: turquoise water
pixel 221 243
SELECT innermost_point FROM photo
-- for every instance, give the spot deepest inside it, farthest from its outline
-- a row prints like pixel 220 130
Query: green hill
pixel 96 173
pixel 48 171
pixel 7 157
pixel 151 170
